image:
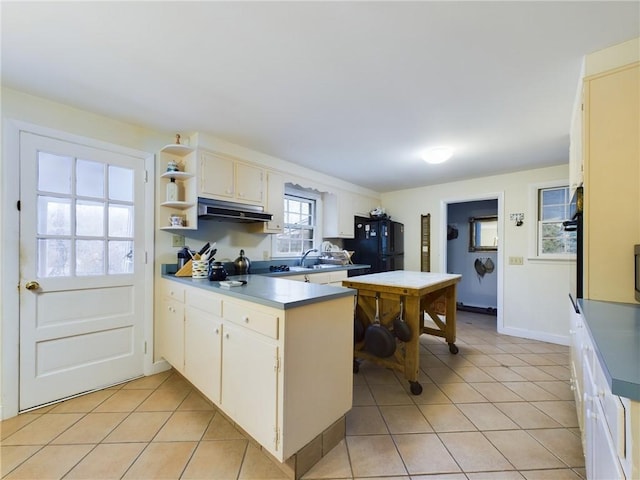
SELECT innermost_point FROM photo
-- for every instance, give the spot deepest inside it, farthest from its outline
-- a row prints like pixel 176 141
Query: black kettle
pixel 242 264
pixel 217 271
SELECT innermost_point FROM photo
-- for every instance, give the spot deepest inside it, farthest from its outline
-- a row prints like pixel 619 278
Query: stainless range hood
pixel 222 211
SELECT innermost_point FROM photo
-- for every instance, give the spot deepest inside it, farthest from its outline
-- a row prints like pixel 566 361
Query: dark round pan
pixel 378 340
pixel 400 327
pixel 358 326
pixel 358 330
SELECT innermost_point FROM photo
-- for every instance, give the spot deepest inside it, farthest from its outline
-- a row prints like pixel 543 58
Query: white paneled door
pixel 81 268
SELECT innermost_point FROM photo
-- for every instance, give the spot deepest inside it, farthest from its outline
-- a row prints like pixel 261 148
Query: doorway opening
pixel 472 235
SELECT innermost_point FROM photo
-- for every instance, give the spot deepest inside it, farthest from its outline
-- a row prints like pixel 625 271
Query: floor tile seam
pixel 83 414
pixel 346 446
pixel 456 460
pixel 24 460
pixel 95 407
pixel 538 442
pixel 573 408
pixel 161 427
pixel 137 457
pixel 2 439
pixel 244 457
pixel 193 452
pixel 95 445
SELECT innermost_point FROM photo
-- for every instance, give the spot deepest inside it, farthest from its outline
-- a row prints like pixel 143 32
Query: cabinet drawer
pixel 260 321
pixel 205 301
pixel 172 290
pixel 613 410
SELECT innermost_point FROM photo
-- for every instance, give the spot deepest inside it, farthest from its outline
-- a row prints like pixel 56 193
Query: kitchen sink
pixel 317 266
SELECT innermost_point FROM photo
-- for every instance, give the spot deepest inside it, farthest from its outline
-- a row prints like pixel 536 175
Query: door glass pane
pixel 54 173
pixel 54 216
pixel 54 257
pixel 120 221
pixel 90 179
pixel 89 219
pixel 120 257
pixel 120 184
pixel 89 257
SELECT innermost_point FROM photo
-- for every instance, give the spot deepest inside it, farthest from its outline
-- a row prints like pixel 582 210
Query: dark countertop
pixel 615 330
pixel 272 290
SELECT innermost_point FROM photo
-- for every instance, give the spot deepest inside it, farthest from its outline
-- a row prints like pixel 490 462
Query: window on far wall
pixel 300 214
pixel 553 209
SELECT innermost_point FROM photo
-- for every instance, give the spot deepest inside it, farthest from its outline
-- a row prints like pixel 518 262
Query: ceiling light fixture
pixel 437 154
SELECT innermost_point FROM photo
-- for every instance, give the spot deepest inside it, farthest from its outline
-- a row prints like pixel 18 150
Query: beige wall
pixel 535 295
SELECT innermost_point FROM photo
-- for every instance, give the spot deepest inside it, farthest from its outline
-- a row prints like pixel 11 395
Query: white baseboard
pixel 533 335
pixel 157 367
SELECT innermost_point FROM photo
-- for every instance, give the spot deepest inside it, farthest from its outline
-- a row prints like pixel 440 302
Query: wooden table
pixel 419 292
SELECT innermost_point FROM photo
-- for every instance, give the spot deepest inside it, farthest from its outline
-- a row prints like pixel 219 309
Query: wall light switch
pixel 516 261
pixel 177 240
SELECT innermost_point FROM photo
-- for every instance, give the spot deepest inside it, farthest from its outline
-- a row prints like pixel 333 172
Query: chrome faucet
pixel 304 255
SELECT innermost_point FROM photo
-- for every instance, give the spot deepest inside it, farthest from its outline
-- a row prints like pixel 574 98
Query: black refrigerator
pixel 379 243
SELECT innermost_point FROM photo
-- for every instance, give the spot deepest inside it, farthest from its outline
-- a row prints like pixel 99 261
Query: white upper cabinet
pixel 339 210
pixel 224 178
pixel 274 204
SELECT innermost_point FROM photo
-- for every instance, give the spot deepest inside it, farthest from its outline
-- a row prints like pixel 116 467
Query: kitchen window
pixel 300 223
pixel 552 208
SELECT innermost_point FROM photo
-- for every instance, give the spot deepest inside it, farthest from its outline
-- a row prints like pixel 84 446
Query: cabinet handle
pixel 246 319
pixel 217 331
pixel 227 335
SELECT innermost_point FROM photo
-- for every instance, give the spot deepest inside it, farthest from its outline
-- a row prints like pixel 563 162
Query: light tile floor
pixel 501 409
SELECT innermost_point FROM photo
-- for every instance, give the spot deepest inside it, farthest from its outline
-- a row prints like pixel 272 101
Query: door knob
pixel 32 285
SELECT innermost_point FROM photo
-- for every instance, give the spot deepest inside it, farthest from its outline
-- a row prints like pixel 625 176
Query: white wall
pixel 534 295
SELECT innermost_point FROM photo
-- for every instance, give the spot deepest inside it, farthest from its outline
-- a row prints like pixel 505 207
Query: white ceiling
pixel 352 89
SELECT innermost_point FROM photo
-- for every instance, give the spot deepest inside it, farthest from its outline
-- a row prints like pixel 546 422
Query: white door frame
pixel 9 248
pixel 499 196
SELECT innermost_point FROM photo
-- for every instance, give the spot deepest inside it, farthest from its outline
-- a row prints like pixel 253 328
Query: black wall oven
pixel 576 225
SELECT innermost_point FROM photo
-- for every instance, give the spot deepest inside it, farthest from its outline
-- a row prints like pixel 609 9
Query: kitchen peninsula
pixel 259 352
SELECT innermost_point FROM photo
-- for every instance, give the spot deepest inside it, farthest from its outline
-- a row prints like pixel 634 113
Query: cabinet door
pixel 171 333
pixel 216 176
pixel 338 215
pixel 275 202
pixel 612 184
pixel 249 183
pixel 250 383
pixel 203 352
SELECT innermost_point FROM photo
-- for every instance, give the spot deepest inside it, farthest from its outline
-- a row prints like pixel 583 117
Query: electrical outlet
pixel 177 240
pixel 516 261
pixel 265 255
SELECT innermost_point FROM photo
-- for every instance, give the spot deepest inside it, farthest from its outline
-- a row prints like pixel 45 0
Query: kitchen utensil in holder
pixel 199 269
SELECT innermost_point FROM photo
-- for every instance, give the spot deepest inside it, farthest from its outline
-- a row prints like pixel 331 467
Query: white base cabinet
pixel 284 376
pixel 250 383
pixel 610 424
pixel 203 342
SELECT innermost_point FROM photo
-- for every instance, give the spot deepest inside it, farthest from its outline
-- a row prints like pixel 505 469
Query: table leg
pixel 412 347
pixel 450 329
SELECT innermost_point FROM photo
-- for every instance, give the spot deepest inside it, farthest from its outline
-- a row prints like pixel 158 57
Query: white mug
pixel 176 221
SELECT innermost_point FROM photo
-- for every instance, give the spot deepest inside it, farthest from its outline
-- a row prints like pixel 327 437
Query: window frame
pixel 290 191
pixel 535 225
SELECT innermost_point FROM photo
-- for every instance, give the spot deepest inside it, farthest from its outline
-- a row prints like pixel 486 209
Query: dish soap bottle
pixel 172 191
